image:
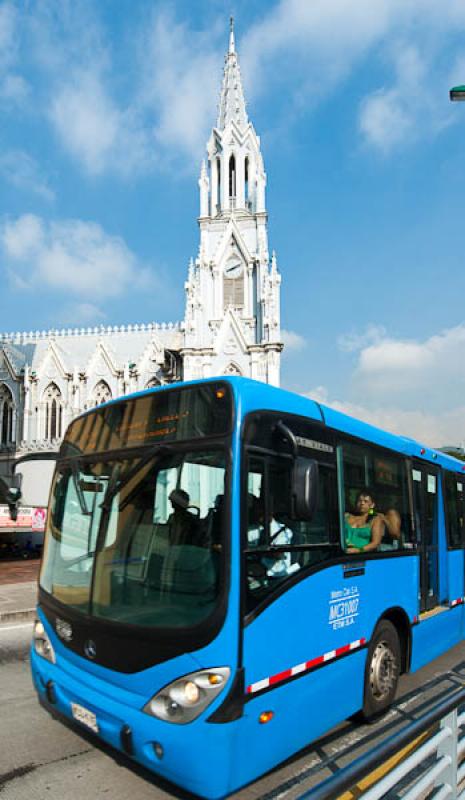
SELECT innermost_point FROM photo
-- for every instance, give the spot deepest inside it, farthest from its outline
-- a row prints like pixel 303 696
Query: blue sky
pixel 106 107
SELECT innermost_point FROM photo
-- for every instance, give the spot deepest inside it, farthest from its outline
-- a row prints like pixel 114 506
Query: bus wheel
pixel 382 670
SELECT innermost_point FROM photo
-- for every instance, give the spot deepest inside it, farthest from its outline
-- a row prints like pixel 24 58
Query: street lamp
pixel 457 93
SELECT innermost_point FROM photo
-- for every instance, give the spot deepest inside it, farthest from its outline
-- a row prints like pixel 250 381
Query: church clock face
pixel 233 268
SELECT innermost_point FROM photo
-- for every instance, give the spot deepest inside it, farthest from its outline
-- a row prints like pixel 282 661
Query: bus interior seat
pixel 189 571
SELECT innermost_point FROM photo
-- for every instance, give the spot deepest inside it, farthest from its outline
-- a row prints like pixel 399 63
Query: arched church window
pixel 53 420
pixel 233 283
pixel 6 415
pixel 218 197
pixel 232 180
pixel 53 402
pixel 246 182
pixel 101 393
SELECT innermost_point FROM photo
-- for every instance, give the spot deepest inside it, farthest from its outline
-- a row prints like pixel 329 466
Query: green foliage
pixel 457 452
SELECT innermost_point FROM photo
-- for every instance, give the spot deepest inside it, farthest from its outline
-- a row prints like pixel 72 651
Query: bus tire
pixel 382 670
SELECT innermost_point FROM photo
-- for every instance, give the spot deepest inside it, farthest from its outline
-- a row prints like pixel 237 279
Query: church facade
pixel 232 313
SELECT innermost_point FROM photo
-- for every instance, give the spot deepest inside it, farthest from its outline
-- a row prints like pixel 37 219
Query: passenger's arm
pixel 393 523
pixel 377 531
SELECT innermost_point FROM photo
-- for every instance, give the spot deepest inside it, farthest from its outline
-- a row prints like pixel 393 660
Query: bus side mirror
pixel 10 493
pixel 304 488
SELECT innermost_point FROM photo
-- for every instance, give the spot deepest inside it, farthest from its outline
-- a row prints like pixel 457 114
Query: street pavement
pixel 18 590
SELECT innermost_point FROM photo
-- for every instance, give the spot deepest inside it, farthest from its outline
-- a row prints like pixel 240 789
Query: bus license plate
pixel 84 716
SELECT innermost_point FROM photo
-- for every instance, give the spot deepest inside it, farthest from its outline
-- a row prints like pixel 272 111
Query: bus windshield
pixel 149 554
pixel 137 525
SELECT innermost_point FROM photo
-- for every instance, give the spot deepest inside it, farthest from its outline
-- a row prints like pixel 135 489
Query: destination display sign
pixel 176 414
pixel 386 472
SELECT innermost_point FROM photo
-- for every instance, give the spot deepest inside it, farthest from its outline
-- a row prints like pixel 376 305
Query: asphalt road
pixel 42 759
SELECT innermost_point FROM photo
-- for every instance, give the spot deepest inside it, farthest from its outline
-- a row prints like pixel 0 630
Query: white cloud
pixel 162 110
pixel 22 171
pixel 325 35
pixel 83 100
pixel 8 34
pixel 350 342
pixel 167 114
pixel 104 136
pixel 433 429
pixel 22 239
pixel 411 387
pixel 315 47
pixel 384 119
pixel 80 313
pixel 13 87
pixel 71 256
pixel 429 370
pixel 182 82
pixel 86 120
pixel 292 341
pixel 392 117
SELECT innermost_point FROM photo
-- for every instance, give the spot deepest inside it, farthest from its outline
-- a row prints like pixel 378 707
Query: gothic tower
pixel 232 319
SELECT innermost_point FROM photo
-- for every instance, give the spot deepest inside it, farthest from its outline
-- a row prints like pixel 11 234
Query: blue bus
pixel 230 569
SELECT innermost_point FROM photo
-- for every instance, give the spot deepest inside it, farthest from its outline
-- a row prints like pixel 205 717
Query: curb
pixel 27 615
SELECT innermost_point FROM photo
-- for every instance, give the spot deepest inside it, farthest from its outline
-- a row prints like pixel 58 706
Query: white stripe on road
pixel 7 627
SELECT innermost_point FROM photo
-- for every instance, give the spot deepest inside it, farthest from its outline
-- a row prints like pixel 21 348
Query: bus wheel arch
pixel 382 669
pixel 398 617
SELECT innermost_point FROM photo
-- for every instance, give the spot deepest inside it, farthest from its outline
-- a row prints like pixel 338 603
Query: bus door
pixel 425 505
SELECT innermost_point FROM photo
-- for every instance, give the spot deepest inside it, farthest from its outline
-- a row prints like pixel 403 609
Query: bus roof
pixel 259 395
pixel 254 395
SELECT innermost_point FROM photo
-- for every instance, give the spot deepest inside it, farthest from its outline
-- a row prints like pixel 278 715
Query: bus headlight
pixel 41 642
pixel 186 698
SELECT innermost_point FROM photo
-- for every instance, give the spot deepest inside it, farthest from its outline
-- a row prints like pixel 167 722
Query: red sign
pixel 28 517
pixel 39 516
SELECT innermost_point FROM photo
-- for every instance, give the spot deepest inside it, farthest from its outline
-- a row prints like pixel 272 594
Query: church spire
pixel 232 103
pixel 232 321
pixel 232 48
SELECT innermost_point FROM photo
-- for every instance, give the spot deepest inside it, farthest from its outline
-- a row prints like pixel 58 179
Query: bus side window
pixel 319 533
pixel 278 545
pixel 366 471
pixel 454 507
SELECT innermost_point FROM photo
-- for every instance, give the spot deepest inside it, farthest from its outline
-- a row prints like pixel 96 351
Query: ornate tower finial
pixel 232 103
pixel 232 48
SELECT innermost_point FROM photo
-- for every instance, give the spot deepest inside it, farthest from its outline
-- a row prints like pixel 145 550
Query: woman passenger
pixel 364 529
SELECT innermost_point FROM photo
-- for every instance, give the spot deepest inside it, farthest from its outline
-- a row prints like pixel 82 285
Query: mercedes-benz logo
pixel 90 649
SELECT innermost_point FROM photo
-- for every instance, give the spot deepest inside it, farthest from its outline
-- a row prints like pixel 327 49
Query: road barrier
pixel 427 755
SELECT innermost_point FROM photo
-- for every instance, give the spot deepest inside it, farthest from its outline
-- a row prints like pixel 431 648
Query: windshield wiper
pixel 111 490
pixel 78 489
pixel 115 485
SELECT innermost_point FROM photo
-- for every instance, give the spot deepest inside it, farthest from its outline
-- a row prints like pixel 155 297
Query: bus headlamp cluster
pixel 184 700
pixel 41 642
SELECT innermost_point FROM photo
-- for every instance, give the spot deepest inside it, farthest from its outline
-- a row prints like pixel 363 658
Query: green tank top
pixel 357 537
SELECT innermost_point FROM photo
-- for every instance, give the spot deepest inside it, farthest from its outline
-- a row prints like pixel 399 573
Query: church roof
pixel 17 356
pixel 77 346
pixel 232 103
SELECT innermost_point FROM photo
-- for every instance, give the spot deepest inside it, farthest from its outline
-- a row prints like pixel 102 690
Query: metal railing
pixel 435 764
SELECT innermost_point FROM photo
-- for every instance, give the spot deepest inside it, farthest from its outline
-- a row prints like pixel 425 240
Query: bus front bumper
pixel 196 756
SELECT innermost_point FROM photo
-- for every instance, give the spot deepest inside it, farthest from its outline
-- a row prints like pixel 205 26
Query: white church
pixel 232 315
